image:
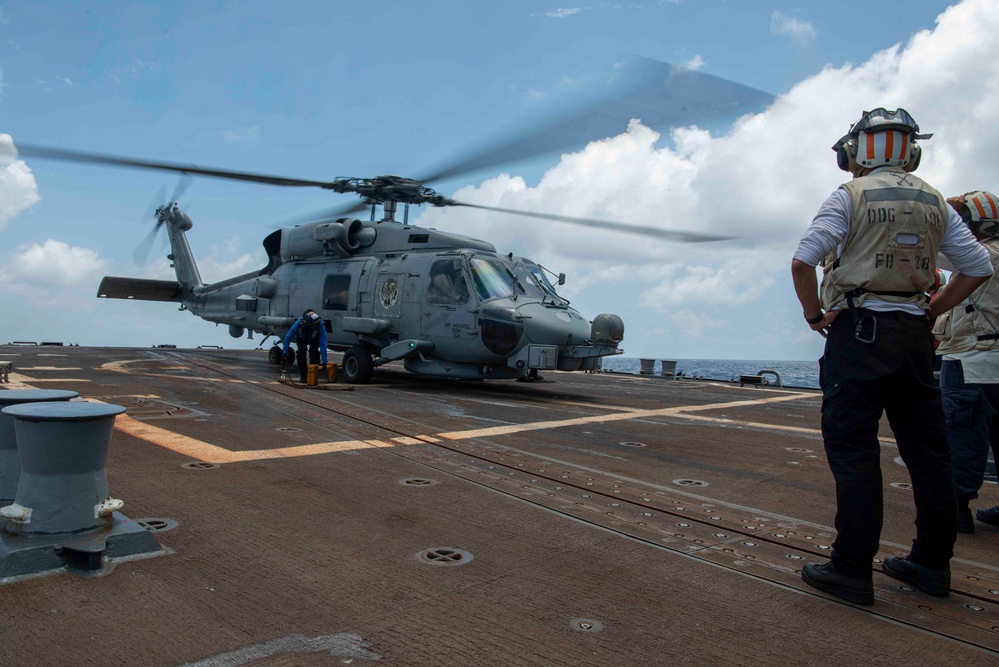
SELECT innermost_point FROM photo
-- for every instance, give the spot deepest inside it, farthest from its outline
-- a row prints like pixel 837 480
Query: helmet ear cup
pixel 846 152
pixel 915 155
pixel 842 159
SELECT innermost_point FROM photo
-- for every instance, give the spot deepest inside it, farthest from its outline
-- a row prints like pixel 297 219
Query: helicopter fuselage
pixel 445 305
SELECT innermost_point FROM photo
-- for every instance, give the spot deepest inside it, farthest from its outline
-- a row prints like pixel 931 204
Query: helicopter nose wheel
pixel 357 365
pixel 274 355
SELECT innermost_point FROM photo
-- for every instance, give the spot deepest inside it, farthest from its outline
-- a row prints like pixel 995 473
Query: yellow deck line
pixel 46 368
pixel 602 419
pixel 204 451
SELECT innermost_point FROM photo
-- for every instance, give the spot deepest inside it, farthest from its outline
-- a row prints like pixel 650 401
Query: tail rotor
pixel 160 209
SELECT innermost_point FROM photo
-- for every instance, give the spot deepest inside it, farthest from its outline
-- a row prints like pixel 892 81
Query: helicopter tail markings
pixel 138 289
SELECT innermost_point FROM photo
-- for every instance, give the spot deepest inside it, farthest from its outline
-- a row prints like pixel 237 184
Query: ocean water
pixel 792 373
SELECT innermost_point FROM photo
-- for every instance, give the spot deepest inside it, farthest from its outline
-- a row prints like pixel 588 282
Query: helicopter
pixel 444 304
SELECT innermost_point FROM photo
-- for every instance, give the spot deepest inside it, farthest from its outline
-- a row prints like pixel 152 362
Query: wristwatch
pixel 814 320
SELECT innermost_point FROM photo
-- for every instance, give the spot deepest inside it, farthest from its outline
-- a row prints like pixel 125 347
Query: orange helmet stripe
pixel 978 205
pixel 905 147
pixel 889 144
pixel 870 147
pixel 992 203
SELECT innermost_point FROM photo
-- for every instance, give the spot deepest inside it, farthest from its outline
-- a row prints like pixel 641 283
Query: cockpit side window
pixel 336 292
pixel 447 284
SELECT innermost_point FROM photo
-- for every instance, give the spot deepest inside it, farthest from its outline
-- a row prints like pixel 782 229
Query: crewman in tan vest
pixel 877 237
pixel 969 375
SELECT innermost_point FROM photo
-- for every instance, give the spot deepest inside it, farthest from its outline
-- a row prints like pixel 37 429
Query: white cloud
pixel 694 324
pixel 249 135
pixel 219 263
pixel 562 13
pixel 3 16
pixel 800 32
pixel 695 63
pixel 18 189
pixel 762 180
pixel 56 263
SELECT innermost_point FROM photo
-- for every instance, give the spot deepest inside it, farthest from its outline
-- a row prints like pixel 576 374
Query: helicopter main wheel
pixel 357 365
pixel 274 355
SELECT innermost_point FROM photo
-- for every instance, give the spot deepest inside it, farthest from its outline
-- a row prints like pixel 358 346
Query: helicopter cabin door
pixel 446 314
pixel 339 298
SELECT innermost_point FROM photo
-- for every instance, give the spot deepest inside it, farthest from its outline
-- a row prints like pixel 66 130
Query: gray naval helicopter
pixel 444 304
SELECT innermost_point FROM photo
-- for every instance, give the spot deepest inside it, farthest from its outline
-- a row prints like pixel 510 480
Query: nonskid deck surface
pixel 588 520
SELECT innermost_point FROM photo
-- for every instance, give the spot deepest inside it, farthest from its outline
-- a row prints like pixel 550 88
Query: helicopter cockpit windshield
pixel 536 284
pixel 536 276
pixel 493 279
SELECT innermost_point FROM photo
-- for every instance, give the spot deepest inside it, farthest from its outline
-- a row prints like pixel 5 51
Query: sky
pixel 318 90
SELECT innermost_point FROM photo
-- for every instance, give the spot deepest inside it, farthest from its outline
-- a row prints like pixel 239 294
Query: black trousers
pixel 313 354
pixel 861 381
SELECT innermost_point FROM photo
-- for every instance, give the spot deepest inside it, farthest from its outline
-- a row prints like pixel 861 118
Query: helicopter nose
pixel 502 329
pixel 553 326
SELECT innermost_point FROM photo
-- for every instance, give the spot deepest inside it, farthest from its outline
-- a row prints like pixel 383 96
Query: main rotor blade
pixel 326 215
pixel 664 234
pixel 117 161
pixel 661 95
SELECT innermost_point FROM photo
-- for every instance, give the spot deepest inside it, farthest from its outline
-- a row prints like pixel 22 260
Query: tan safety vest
pixel 974 323
pixel 897 224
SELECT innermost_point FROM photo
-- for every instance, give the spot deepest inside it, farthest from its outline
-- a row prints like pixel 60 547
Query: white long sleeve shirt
pixel 831 225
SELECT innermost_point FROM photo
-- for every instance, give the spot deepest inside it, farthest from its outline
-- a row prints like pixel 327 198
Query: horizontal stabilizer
pixel 138 289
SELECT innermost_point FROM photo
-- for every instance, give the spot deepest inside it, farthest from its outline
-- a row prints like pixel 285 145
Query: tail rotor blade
pixel 141 253
pixel 155 203
pixel 183 183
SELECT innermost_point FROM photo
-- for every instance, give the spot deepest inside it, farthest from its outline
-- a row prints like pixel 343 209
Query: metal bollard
pixel 63 517
pixel 63 448
pixel 10 466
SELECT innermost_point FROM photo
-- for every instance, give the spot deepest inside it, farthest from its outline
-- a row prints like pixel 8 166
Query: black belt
pixel 897 315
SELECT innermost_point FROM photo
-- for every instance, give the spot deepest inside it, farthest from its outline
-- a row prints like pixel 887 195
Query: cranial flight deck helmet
pixel 880 138
pixel 311 319
pixel 980 211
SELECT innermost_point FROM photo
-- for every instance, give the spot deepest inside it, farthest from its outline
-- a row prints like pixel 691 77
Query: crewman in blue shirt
pixel 309 333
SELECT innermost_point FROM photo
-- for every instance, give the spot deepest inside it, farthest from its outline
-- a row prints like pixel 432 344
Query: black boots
pixel 928 580
pixel 825 577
